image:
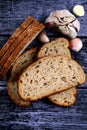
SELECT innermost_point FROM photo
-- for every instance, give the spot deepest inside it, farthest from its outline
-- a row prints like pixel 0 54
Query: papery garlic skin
pixel 43 37
pixel 76 44
pixel 63 21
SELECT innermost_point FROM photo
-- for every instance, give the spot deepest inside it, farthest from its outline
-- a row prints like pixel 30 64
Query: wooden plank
pixel 3 39
pixel 5 7
pixel 9 25
pixel 14 12
pixel 44 114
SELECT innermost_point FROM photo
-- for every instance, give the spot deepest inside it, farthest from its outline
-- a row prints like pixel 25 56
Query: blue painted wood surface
pixel 42 114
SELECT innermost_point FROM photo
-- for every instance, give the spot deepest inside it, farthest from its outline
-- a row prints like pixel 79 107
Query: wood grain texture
pixel 41 115
pixel 14 12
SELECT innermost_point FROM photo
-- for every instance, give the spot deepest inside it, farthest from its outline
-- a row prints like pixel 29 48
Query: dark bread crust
pixel 21 37
pixel 11 41
pixel 34 30
pixel 54 91
pixel 16 43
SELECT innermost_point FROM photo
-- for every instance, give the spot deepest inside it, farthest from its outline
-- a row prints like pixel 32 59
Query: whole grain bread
pixel 65 98
pixel 58 46
pixel 49 75
pixel 34 30
pixel 13 41
pixel 19 65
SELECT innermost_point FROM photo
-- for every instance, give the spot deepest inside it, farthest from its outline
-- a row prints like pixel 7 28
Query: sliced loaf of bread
pixel 24 40
pixel 15 35
pixel 15 39
pixel 49 75
pixel 19 65
pixel 59 46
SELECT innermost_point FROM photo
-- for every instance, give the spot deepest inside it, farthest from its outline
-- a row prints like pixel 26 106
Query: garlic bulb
pixel 63 21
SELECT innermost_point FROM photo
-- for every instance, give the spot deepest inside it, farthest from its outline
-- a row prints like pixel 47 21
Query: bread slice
pixel 32 33
pixel 20 64
pixel 49 75
pixel 65 98
pixel 58 46
pixel 32 23
pixel 15 35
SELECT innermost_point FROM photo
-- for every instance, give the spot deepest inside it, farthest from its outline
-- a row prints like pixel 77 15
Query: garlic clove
pixel 72 32
pixel 76 44
pixel 52 19
pixel 43 37
pixel 76 25
pixel 78 10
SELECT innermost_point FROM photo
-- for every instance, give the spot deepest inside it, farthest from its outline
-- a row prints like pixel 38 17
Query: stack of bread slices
pixel 49 72
pixel 15 45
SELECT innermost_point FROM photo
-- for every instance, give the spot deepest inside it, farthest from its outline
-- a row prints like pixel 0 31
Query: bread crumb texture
pixel 65 98
pixel 59 46
pixel 48 76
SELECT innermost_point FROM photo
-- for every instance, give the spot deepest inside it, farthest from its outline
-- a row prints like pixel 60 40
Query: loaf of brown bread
pixel 59 46
pixel 30 34
pixel 15 35
pixel 20 64
pixel 49 75
pixel 17 41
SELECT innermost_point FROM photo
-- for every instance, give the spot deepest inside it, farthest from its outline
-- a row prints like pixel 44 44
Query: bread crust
pixel 62 40
pixel 16 42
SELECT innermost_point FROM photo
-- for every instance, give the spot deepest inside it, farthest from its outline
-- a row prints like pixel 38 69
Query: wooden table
pixel 42 114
